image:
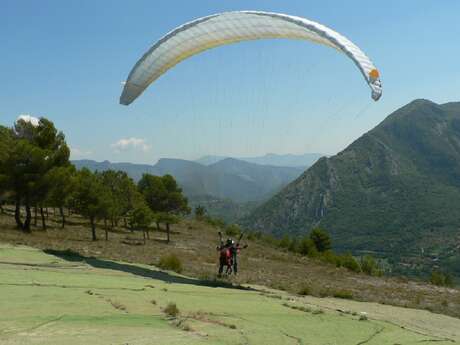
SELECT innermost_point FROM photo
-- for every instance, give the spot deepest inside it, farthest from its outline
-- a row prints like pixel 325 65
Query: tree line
pixel 36 173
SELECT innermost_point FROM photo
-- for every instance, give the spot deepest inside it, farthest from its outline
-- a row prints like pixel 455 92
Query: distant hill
pixel 231 179
pixel 266 179
pixel 210 159
pixel 135 171
pixel 394 191
pixel 227 210
pixel 288 160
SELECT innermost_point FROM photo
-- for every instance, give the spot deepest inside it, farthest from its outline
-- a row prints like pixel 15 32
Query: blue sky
pixel 66 60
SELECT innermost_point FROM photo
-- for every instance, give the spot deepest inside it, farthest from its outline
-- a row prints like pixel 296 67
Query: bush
pixel 294 246
pixel 233 230
pixel 342 294
pixel 171 310
pixel 307 247
pixel 440 279
pixel 304 291
pixel 348 261
pixel 370 266
pixel 321 239
pixel 285 242
pixel 170 262
pixel 200 212
pixel 330 257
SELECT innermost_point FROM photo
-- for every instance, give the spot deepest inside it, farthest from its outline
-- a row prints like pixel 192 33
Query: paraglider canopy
pixel 230 27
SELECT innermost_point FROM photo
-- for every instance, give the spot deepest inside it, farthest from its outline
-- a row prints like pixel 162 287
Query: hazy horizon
pixel 198 158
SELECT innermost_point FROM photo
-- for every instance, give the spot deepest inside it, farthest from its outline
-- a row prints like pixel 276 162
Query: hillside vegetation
pixel 395 191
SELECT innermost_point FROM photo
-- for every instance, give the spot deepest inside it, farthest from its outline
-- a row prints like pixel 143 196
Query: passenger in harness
pixel 228 257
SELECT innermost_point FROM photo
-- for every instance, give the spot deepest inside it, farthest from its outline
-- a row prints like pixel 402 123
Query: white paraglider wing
pixel 230 27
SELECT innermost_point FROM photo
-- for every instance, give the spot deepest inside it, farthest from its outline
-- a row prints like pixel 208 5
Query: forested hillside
pixel 395 191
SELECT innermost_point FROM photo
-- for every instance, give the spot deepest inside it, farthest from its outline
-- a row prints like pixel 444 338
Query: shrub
pixel 233 230
pixel 348 261
pixel 330 257
pixel 307 247
pixel 304 290
pixel 294 246
pixel 171 310
pixel 440 279
pixel 200 212
pixel 370 266
pixel 321 239
pixel 170 262
pixel 285 242
pixel 342 294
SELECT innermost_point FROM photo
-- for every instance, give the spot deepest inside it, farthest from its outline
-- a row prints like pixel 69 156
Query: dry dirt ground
pixel 195 243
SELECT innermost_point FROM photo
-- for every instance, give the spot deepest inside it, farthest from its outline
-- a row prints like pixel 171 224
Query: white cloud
pixel 131 143
pixel 28 118
pixel 76 152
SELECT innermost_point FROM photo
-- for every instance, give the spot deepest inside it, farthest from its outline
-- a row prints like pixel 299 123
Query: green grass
pixel 49 303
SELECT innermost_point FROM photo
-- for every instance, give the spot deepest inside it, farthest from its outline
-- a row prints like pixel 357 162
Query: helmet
pixel 230 241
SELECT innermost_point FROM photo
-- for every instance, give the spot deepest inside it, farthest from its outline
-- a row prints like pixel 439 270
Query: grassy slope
pixel 50 300
pixel 194 243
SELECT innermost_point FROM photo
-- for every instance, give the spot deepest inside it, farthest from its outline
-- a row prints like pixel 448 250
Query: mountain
pixel 135 171
pixel 198 180
pixel 267 179
pixel 208 160
pixel 227 210
pixel 394 191
pixel 288 160
pixel 230 178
